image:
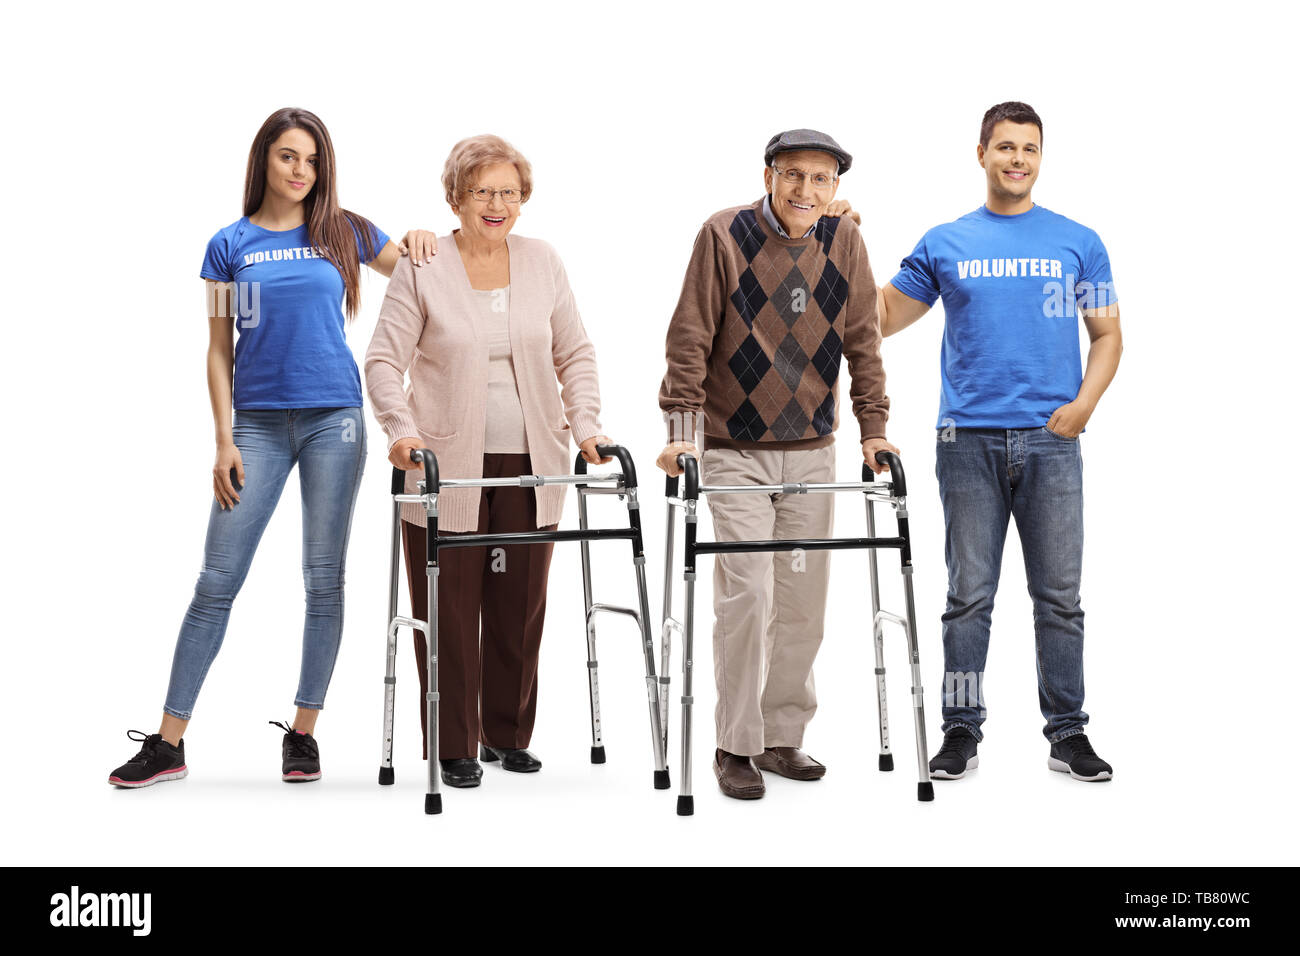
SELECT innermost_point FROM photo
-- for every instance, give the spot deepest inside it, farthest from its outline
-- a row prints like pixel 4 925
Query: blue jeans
pixel 329 447
pixel 986 475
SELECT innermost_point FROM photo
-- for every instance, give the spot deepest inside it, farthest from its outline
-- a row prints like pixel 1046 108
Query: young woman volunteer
pixel 281 274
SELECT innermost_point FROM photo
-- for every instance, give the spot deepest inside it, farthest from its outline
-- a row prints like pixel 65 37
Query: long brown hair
pixel 332 231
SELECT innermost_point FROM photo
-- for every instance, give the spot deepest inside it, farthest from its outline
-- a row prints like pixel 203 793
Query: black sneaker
pixel 956 756
pixel 1075 756
pixel 156 762
pixel 299 755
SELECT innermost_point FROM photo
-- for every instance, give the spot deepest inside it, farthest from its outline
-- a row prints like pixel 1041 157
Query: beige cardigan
pixel 428 326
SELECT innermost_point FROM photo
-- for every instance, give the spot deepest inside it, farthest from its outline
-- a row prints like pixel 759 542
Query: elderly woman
pixel 485 330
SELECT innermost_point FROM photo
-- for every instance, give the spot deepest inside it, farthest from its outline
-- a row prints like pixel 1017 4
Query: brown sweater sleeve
pixel 691 333
pixel 862 345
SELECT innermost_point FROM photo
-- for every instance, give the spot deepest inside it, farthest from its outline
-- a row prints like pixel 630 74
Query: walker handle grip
pixel 691 471
pixel 624 460
pixel 430 468
pixel 610 451
pixel 895 465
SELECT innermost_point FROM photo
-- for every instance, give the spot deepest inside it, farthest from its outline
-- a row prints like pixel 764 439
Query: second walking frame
pixel 893 492
pixel 624 485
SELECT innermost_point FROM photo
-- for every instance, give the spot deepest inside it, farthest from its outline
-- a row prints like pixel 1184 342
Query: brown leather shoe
pixel 737 776
pixel 790 762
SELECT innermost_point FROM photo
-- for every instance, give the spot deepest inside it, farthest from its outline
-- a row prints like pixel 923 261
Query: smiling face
pixel 291 165
pixel 489 221
pixel 798 206
pixel 1011 160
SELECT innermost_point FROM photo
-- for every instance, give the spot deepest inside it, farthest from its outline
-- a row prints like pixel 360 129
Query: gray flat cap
pixel 806 139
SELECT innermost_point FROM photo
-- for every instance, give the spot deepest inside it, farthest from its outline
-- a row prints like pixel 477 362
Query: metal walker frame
pixel 893 492
pixel 624 485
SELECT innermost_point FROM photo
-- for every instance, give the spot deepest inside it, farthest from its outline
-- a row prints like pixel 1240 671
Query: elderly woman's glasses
pixel 795 177
pixel 483 194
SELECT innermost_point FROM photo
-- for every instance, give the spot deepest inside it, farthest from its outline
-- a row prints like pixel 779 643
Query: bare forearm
pixel 896 310
pixel 1103 360
pixel 221 371
pixel 882 311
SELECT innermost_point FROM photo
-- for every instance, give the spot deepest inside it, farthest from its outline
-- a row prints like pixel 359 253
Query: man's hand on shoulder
pixel 840 208
pixel 870 446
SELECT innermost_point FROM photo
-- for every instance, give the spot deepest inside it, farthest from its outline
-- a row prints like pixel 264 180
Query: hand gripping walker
pixel 893 492
pixel 624 485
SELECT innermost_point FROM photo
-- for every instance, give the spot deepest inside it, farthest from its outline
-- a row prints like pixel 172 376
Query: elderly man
pixel 775 293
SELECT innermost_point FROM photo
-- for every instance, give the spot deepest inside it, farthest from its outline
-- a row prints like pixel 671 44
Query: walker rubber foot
pixel 685 806
pixel 433 803
pixel 925 792
pixel 385 776
pixel 661 780
pixel 598 754
pixel 886 762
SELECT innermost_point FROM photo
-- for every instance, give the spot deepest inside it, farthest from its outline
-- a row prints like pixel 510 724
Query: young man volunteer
pixel 1013 403
pixel 774 295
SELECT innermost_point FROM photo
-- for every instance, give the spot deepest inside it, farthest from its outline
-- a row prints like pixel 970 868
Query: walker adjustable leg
pixel 653 692
pixel 877 633
pixel 593 680
pixel 593 692
pixel 882 704
pixel 432 798
pixel 666 632
pixel 390 663
pixel 390 683
pixel 924 788
pixel 685 799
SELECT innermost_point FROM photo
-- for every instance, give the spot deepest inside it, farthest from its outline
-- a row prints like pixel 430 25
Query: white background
pixel 1169 129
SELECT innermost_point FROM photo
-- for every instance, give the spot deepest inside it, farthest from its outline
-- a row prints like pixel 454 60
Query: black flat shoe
pixel 461 772
pixel 516 761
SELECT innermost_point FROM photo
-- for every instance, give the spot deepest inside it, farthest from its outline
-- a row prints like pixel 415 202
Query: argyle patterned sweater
pixel 754 345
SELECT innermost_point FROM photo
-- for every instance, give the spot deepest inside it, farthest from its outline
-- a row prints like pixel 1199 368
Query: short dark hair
pixel 1012 110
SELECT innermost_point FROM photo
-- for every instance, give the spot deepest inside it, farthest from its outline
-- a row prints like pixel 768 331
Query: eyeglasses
pixel 795 177
pixel 483 194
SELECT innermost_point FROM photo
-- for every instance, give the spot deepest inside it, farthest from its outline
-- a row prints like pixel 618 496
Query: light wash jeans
pixel 986 476
pixel 329 447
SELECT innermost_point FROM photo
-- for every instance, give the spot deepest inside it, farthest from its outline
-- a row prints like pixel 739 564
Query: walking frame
pixel 893 492
pixel 624 485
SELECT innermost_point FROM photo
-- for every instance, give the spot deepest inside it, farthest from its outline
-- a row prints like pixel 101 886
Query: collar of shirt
pixel 776 223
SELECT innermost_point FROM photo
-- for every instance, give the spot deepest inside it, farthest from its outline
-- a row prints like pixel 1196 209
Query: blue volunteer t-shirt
pixel 292 351
pixel 1010 286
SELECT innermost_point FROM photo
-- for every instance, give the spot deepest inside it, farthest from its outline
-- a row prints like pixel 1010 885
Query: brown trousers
pixel 488 688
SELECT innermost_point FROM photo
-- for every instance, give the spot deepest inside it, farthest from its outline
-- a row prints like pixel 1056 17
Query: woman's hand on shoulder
pixel 227 475
pixel 420 244
pixel 589 449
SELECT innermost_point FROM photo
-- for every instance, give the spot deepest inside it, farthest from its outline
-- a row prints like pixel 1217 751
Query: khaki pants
pixel 769 608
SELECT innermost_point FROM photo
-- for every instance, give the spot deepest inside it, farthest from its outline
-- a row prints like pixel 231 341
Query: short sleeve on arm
pixel 1095 288
pixel 216 261
pixel 377 236
pixel 916 278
